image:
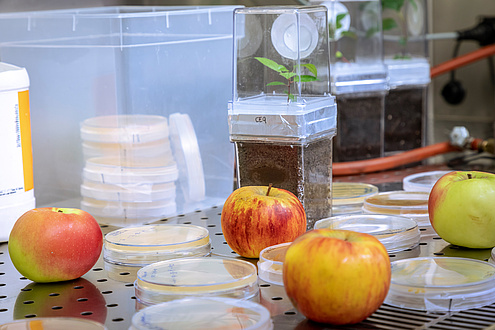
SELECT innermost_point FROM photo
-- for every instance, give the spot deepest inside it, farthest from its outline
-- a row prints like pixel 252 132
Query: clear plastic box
pixel 123 61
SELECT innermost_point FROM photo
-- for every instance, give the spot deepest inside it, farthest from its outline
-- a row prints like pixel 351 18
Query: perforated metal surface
pixel 107 295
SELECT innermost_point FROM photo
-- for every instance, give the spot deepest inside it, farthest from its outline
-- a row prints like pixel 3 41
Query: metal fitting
pixel 459 137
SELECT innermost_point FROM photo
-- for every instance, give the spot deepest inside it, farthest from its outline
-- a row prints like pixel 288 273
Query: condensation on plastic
pixel 270 264
pixel 441 284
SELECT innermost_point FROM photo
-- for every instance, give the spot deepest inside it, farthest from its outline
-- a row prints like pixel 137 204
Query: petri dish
pixel 124 129
pixel 143 245
pixel 441 284
pixel 204 313
pixel 158 148
pixel 423 181
pixel 348 197
pixel 145 192
pixel 396 233
pixel 271 262
pixel 412 204
pixel 144 210
pixel 188 277
pixel 115 170
pixel 53 323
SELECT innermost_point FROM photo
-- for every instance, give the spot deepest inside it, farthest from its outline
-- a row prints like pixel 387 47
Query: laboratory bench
pixel 107 295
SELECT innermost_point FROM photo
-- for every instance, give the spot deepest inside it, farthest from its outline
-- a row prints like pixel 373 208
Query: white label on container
pixel 11 165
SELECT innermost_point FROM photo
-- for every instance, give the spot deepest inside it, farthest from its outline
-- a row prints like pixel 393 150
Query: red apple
pixel 55 244
pixel 255 217
pixel 461 206
pixel 336 276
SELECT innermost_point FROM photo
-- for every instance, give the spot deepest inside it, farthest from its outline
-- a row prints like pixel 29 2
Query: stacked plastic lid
pixel 423 181
pixel 271 263
pixel 130 172
pixel 412 204
pixel 348 197
pixel 55 323
pixel 204 313
pixel 396 233
pixel 192 277
pixel 441 284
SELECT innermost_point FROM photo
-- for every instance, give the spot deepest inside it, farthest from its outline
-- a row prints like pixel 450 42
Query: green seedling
pixel 290 76
pixel 390 23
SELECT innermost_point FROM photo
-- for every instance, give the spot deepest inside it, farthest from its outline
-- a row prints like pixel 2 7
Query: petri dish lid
pixel 348 197
pixel 396 233
pixel 441 284
pixel 186 151
pixel 179 278
pixel 200 313
pixel 145 192
pixel 124 128
pixel 158 148
pixel 271 262
pixel 143 245
pixel 53 323
pixel 119 171
pixel 155 209
pixel 423 181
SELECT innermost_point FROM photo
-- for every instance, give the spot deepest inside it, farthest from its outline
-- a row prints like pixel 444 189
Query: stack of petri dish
pixel 130 172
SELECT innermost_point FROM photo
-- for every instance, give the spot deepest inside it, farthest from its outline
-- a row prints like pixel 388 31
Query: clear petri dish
pixel 144 192
pixel 492 257
pixel 411 204
pixel 348 197
pixel 441 284
pixel 128 210
pixel 204 313
pixel 397 233
pixel 423 181
pixel 53 323
pixel 115 170
pixel 271 262
pixel 124 129
pixel 181 278
pixel 143 245
pixel 158 148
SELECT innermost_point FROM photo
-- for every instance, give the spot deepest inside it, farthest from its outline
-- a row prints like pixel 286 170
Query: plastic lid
pixel 348 197
pixel 53 323
pixel 186 152
pixel 423 181
pixel 144 245
pixel 156 209
pixel 119 171
pixel 200 313
pixel 395 232
pixel 11 208
pixel 294 37
pixel 13 77
pixel 271 262
pixel 180 278
pixel 408 72
pixel 413 204
pixel 145 192
pixel 158 148
pixel 441 284
pixel 124 128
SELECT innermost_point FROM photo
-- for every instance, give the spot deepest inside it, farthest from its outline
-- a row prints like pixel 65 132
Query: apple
pixel 55 244
pixel 461 206
pixel 336 276
pixel 255 217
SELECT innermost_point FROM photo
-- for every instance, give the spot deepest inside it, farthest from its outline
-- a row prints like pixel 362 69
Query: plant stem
pixel 468 175
pixel 269 188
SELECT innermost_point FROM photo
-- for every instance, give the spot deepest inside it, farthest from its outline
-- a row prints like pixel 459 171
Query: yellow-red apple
pixel 255 217
pixel 336 276
pixel 55 244
pixel 461 206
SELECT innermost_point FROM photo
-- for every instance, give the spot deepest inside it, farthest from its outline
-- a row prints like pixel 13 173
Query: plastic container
pixel 348 197
pixel 423 181
pixel 181 278
pixel 143 245
pixel 271 262
pixel 411 204
pixel 441 284
pixel 204 313
pixel 396 233
pixel 53 323
pixel 123 61
pixel 16 167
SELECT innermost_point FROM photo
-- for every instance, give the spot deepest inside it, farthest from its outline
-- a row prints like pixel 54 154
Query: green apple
pixel 55 244
pixel 461 207
pixel 336 276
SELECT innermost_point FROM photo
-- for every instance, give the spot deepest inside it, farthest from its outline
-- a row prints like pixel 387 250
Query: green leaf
pixel 338 20
pixel 338 54
pixel 349 34
pixel 272 64
pixel 311 68
pixel 305 78
pixel 276 83
pixel 287 75
pixel 392 4
pixel 414 4
pixel 388 24
pixel 371 32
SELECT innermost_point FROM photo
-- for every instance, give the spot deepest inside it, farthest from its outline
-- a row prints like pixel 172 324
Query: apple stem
pixel 60 211
pixel 469 176
pixel 269 188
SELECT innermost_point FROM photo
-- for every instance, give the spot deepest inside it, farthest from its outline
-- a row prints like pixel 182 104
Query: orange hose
pixel 462 60
pixel 385 163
